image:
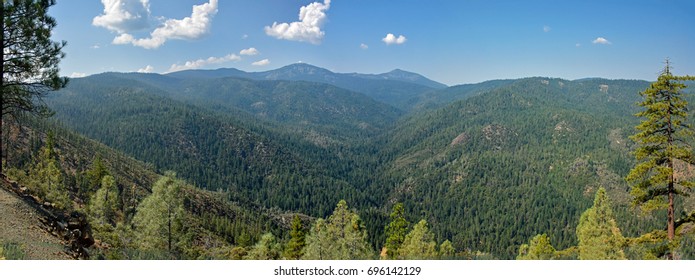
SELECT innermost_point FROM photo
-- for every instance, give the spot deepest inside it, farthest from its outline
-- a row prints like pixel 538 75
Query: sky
pixel 453 42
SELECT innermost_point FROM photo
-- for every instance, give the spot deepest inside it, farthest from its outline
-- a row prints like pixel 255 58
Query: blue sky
pixel 453 42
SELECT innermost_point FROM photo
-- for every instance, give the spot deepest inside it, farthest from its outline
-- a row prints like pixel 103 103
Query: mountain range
pixel 489 165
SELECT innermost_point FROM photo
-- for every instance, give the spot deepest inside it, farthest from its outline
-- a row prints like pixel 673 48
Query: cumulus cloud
pixel 146 69
pixel 307 29
pixel 263 62
pixel 602 41
pixel 546 28
pixel 249 51
pixel 188 28
pixel 124 15
pixel 195 64
pixel 392 39
pixel 364 46
pixel 78 75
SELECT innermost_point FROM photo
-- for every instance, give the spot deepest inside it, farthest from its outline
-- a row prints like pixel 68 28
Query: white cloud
pixel 307 29
pixel 147 69
pixel 392 39
pixel 249 51
pixel 245 36
pixel 78 75
pixel 188 28
pixel 578 45
pixel 364 46
pixel 124 15
pixel 546 28
pixel 263 62
pixel 602 41
pixel 195 64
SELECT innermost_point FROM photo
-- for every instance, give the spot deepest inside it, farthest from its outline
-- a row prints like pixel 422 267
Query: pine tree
pixel 46 178
pixel 446 250
pixel 318 243
pixel 598 234
pixel 96 174
pixel 341 237
pixel 538 249
pixel 297 241
pixel 395 231
pixel 103 205
pixel 662 143
pixel 158 220
pixel 30 59
pixel 266 249
pixel 419 244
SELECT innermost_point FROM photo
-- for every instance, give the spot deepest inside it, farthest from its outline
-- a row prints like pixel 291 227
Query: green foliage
pixel 295 246
pixel 341 237
pixel 95 175
pixel 539 248
pixel 598 234
pixel 11 251
pixel 446 250
pixel 266 249
pixel 237 253
pixel 158 221
pixel 103 206
pixel 396 231
pixel 419 244
pixel 46 179
pixel 30 59
pixel 663 142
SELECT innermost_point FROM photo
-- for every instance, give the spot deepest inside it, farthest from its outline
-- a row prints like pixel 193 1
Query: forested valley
pixel 304 163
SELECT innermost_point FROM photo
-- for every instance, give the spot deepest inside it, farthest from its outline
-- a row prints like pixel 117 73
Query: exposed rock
pixel 459 139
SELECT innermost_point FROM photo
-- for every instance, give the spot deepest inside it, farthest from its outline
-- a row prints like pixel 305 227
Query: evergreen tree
pixel 662 142
pixel 419 244
pixel 598 234
pixel 266 249
pixel 103 205
pixel 318 243
pixel 446 250
pixel 341 237
pixel 46 179
pixel 158 220
pixel 30 59
pixel 297 241
pixel 96 174
pixel 538 249
pixel 395 231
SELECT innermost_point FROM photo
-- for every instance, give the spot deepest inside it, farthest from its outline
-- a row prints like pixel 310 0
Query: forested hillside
pixel 488 166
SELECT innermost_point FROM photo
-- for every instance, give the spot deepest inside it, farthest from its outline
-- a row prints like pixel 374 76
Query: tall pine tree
pixel 158 221
pixel 295 247
pixel 396 231
pixel 662 144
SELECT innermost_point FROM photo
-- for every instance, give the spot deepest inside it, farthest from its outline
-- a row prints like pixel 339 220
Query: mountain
pixel 214 220
pixel 220 148
pixel 488 165
pixel 491 171
pixel 393 88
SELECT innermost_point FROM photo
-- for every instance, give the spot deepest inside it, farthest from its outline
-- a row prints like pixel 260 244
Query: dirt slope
pixel 19 224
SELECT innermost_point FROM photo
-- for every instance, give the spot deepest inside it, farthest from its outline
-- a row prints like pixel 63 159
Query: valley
pixel 488 165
